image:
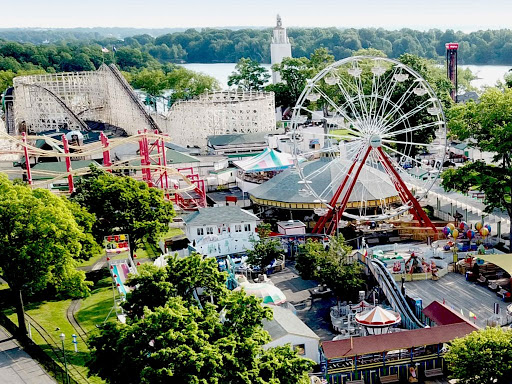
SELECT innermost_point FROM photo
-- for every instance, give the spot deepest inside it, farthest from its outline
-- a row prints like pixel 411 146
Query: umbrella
pixel 269 293
pixel 378 317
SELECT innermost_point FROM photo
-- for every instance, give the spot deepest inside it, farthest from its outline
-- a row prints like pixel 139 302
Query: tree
pixel 40 240
pixel 249 75
pixel 331 266
pixel 123 205
pixel 483 357
pixel 217 339
pixel 487 127
pixel 265 251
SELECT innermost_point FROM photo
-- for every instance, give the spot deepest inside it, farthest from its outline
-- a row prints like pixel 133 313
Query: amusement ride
pixel 380 118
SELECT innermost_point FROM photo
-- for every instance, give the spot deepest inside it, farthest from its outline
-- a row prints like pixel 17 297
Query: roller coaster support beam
pixel 27 159
pixel 68 164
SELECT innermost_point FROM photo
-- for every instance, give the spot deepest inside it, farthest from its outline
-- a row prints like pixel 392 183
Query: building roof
pixel 240 138
pixel 291 224
pixel 371 184
pixel 60 166
pixel 397 340
pixel 220 215
pixel 268 160
pixel 441 314
pixel 176 157
pixel 284 323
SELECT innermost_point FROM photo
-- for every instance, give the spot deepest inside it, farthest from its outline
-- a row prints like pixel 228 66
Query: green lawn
pixel 95 308
pixel 52 315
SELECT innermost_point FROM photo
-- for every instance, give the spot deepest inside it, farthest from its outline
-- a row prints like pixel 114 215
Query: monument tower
pixel 279 48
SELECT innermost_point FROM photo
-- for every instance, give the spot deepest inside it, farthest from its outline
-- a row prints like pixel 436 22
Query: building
pixel 279 48
pixel 287 328
pixel 221 231
pixel 291 227
pixel 239 145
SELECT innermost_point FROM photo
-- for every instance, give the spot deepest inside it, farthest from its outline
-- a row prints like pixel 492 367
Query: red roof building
pixel 392 341
pixel 440 314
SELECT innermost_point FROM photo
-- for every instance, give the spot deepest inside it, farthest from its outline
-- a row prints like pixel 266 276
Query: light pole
pixel 62 337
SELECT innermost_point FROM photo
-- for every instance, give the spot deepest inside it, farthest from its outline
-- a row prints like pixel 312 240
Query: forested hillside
pixel 229 45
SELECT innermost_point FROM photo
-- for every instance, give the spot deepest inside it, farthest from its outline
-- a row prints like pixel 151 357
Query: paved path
pixel 315 313
pixel 16 366
pixel 458 294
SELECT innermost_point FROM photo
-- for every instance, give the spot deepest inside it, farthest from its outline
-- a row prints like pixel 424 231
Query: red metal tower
pixel 451 67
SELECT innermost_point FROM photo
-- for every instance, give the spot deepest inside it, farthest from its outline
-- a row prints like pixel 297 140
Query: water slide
pixel 394 295
pixel 120 273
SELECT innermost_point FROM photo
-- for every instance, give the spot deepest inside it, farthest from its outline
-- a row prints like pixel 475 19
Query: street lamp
pixel 62 337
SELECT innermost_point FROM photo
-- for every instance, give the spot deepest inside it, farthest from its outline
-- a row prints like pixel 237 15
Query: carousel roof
pixel 372 184
pixel 268 160
pixel 378 316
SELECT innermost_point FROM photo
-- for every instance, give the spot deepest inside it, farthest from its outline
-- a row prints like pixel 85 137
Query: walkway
pixel 16 366
pixel 315 313
pixel 458 294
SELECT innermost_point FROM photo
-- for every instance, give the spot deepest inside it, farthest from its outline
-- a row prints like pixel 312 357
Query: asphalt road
pixel 16 366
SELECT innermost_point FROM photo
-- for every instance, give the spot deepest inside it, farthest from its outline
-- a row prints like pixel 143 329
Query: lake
pixel 488 75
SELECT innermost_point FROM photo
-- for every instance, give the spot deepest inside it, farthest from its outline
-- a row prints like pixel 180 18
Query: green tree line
pixel 210 45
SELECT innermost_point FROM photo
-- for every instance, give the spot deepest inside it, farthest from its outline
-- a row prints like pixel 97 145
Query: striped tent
pixel 378 317
pixel 268 160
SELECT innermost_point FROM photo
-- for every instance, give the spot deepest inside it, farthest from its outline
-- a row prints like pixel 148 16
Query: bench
pixel 433 372
pixel 355 382
pixel 389 379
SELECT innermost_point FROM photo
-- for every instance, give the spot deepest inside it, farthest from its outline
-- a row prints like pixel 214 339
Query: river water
pixel 488 75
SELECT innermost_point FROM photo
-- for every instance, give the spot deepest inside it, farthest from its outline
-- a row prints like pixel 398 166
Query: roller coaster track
pixel 72 114
pixel 119 77
pixel 388 285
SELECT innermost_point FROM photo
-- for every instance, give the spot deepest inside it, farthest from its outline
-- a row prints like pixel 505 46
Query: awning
pixel 502 260
pixel 268 160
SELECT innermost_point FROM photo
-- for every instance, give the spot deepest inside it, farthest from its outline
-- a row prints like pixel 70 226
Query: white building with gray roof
pixel 221 231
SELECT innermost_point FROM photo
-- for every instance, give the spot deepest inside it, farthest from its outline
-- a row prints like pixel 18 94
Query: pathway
pixel 315 313
pixel 458 294
pixel 16 366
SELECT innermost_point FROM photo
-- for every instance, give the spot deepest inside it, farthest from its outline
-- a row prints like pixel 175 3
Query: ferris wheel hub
pixel 375 141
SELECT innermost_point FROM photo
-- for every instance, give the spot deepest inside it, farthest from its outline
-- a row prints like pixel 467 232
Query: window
pixel 247 227
pixel 238 228
pixel 300 348
pixel 209 230
pixel 200 231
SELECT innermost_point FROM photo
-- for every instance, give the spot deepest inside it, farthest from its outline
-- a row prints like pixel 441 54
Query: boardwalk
pixel 16 366
pixel 458 294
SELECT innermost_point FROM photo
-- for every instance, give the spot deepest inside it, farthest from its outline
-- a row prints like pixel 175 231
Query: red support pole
pixel 410 198
pixel 107 162
pixel 324 219
pixel 27 159
pixel 344 201
pixel 68 164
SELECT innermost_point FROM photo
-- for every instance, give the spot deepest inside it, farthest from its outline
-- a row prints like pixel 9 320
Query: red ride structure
pixel 451 67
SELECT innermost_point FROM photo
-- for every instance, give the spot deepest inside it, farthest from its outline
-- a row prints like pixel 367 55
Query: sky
pixel 465 15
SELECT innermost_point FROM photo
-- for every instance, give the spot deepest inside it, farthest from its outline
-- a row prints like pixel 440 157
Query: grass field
pixel 95 308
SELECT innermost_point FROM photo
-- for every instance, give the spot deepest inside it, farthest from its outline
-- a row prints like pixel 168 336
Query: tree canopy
pixel 123 205
pixel 486 126
pixel 249 75
pixel 331 266
pixel 192 338
pixel 41 237
pixel 483 357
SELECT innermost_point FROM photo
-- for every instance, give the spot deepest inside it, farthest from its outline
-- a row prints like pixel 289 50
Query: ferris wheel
pixel 375 133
